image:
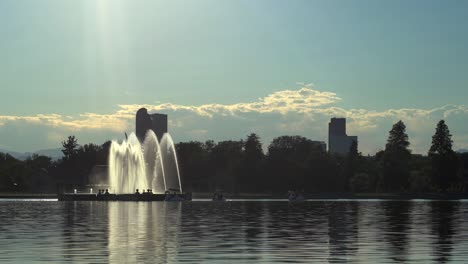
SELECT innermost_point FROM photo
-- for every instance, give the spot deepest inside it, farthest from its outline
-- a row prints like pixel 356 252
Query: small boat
pixel 173 195
pixel 219 197
pixel 294 196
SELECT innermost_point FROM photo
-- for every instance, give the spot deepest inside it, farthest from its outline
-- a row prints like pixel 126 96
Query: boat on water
pixel 294 196
pixel 146 196
pixel 219 197
pixel 174 195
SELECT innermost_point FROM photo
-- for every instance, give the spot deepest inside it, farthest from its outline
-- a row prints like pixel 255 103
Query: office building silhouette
pixel 338 141
pixel 145 122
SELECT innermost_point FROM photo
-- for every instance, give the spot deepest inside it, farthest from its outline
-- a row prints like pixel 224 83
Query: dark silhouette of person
pixel 137 191
pixel 107 192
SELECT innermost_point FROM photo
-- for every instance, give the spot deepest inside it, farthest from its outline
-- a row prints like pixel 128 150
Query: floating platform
pixel 146 197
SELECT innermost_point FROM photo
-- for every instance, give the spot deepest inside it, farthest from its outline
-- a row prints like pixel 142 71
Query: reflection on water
pixel 245 232
pixel 343 229
pixel 139 232
pixel 396 223
pixel 81 233
pixel 443 228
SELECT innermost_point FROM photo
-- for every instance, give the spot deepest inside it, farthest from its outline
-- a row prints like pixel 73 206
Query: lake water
pixel 233 232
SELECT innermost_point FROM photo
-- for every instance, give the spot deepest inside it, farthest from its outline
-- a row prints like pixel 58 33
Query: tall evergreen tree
pixel 443 158
pixel 442 140
pixel 396 159
pixel 70 147
pixel 253 147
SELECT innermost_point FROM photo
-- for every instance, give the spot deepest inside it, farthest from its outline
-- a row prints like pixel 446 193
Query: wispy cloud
pixel 303 111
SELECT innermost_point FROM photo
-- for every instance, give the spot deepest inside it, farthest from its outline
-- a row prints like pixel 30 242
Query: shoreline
pixel 28 196
pixel 308 196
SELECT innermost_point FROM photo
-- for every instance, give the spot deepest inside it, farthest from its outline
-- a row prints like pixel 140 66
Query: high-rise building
pixel 338 141
pixel 159 124
pixel 145 122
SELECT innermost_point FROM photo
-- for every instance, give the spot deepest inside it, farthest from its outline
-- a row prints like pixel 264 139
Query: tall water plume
pixel 140 166
pixel 127 166
pixel 154 163
pixel 171 165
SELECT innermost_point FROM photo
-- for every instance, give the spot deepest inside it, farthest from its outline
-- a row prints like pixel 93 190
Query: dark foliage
pixel 396 159
pixel 290 163
pixel 70 147
pixel 443 158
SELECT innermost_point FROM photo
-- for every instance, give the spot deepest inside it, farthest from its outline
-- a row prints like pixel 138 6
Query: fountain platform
pixel 146 197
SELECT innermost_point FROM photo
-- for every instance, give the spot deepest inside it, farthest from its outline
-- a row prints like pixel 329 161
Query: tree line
pixel 41 174
pixel 297 163
pixel 242 166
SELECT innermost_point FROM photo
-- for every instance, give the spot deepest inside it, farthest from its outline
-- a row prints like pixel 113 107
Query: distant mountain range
pixel 55 154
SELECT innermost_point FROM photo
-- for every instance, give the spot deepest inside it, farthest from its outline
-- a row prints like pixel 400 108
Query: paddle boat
pixel 294 196
pixel 218 196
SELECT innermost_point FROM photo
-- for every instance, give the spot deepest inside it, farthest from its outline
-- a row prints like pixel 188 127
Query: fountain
pixel 150 166
pixel 127 166
pixel 140 166
pixel 169 158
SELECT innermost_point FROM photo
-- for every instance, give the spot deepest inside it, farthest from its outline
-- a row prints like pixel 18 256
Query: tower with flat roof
pixel 159 124
pixel 145 122
pixel 338 141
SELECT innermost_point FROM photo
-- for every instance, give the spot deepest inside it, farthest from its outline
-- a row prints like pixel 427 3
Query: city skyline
pixel 84 68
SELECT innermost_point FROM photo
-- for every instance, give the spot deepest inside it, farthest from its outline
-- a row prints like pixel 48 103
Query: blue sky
pixel 67 63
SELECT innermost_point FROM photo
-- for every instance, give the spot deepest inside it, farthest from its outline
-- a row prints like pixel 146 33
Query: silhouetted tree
pixel 10 176
pixel 194 165
pixel 420 174
pixel 30 175
pixel 443 158
pixel 87 158
pixel 396 159
pixel 253 147
pixel 293 162
pixel 463 167
pixel 69 147
pixel 360 182
pixel 351 165
pixel 37 174
pixel 251 178
pixel 103 153
pixel 226 158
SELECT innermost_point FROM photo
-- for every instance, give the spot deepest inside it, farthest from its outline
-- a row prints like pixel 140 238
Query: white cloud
pixel 305 111
pixel 283 102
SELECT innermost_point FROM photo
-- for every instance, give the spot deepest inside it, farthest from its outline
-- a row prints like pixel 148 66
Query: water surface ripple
pixel 234 232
